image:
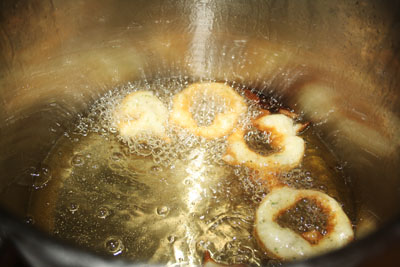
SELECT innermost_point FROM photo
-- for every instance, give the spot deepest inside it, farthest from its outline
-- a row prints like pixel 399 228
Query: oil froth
pixel 154 201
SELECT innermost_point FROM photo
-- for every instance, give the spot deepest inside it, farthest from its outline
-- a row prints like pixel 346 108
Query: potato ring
pixel 283 134
pixel 284 243
pixel 223 122
pixel 141 113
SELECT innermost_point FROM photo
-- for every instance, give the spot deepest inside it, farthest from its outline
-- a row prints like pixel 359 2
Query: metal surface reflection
pixel 336 63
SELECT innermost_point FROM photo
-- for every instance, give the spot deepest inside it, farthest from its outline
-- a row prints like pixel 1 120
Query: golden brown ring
pixel 141 112
pixel 283 132
pixel 286 244
pixel 223 122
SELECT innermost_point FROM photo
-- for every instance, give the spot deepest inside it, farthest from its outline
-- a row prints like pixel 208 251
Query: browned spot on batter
pixel 252 96
pixel 259 142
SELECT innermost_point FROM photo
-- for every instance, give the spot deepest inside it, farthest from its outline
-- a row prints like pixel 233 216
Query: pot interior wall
pixel 338 63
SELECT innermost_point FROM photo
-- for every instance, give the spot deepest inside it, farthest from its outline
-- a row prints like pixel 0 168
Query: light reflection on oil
pixel 196 169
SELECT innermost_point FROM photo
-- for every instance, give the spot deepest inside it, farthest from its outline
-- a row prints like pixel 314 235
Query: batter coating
pixel 223 122
pixel 140 113
pixel 285 243
pixel 283 138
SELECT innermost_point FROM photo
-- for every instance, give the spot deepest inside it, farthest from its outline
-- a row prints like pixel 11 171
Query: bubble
pixel 114 246
pixel 258 197
pixel 103 212
pixel 78 160
pixel 41 176
pixel 157 159
pixel 171 239
pixel 113 130
pixel 188 181
pixel 142 148
pixel 323 188
pixel 202 246
pixel 29 220
pixel 298 178
pixel 156 168
pixel 73 207
pixel 117 156
pixel 163 210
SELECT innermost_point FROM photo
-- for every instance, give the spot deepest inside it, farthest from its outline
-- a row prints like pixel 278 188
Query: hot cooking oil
pixel 154 201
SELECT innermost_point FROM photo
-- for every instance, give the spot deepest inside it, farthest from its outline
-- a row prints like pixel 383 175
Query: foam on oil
pixel 157 202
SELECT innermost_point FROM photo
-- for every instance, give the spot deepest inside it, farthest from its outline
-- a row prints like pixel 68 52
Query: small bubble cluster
pixel 40 176
pixel 298 178
pixel 237 253
pixel 204 107
pixel 252 183
pixel 253 109
pixel 145 161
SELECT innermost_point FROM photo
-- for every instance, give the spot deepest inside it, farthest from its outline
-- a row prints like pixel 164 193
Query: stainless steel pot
pixel 335 61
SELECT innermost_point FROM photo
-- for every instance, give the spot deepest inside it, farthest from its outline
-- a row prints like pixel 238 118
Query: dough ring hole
pixel 259 141
pixel 209 110
pixel 205 106
pixel 308 218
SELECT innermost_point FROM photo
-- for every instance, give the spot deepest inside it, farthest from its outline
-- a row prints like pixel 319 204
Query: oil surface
pixel 151 201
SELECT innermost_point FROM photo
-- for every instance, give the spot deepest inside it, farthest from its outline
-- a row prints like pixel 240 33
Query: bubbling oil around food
pixel 151 201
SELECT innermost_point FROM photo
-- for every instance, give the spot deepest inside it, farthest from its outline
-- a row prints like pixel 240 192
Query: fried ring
pixel 285 243
pixel 283 137
pixel 141 113
pixel 223 122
